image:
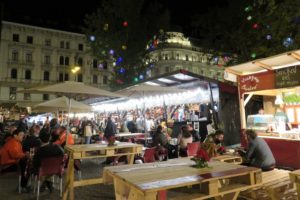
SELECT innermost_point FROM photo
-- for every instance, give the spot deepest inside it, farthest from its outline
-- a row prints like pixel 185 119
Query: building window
pixel 28 75
pixel 16 37
pixel 61 77
pixel 46 76
pixel 14 73
pixel 27 96
pixel 29 39
pixel 48 42
pixel 79 77
pixel 62 44
pixel 67 45
pixel 15 55
pixel 80 47
pixel 187 57
pixel 66 60
pixel 45 97
pixel 95 63
pixel 95 79
pixel 177 56
pixel 61 60
pixel 12 93
pixel 80 61
pixel 104 80
pixel 166 57
pixel 47 60
pixel 66 77
pixel 28 57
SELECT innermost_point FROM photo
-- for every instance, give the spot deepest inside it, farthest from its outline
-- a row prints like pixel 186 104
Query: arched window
pixel 14 73
pixel 66 60
pixel 28 74
pixel 61 60
pixel 46 76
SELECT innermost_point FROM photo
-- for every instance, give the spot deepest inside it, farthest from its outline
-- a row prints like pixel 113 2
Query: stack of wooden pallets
pixel 276 185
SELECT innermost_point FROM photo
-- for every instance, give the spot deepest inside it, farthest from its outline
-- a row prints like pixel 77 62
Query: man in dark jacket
pixel 45 151
pixel 259 154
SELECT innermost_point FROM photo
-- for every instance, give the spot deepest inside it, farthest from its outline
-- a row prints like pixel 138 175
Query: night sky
pixel 69 15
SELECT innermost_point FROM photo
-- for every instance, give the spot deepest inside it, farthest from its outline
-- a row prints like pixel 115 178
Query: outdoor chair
pixel 51 166
pixel 149 155
pixel 192 148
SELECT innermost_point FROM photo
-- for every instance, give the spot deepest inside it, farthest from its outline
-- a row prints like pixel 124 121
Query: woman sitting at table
pixel 184 138
pixel 258 153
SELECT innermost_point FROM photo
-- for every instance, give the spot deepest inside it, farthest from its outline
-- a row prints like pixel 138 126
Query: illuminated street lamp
pixel 75 70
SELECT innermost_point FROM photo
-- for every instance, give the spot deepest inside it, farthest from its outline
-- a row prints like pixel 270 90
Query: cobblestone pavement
pixel 90 168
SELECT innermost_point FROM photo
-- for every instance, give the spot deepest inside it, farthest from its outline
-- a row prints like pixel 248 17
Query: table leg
pixel 230 196
pixel 68 189
pixel 130 159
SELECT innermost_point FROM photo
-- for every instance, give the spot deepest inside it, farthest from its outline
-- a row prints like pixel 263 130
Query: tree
pixel 251 29
pixel 118 32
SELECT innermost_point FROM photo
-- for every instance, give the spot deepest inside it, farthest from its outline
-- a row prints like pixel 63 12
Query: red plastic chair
pixel 149 155
pixel 51 166
pixel 192 148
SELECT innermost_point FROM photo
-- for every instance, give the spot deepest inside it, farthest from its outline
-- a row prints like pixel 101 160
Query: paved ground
pixel 90 168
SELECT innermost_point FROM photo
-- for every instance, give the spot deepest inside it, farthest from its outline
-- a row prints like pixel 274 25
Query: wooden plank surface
pixel 95 147
pixel 174 173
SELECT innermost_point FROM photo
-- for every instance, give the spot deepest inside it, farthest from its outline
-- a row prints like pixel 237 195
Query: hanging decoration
pixel 111 52
pixel 141 77
pixel 92 38
pixel 288 42
pixel 269 37
pixel 122 70
pixel 124 47
pixel 125 23
pixel 253 55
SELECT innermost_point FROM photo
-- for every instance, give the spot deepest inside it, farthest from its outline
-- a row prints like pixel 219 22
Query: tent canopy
pixel 279 61
pixel 62 104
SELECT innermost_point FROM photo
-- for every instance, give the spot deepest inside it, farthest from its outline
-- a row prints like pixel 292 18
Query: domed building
pixel 172 51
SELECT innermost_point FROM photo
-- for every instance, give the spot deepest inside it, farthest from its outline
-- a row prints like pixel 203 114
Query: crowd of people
pixel 49 140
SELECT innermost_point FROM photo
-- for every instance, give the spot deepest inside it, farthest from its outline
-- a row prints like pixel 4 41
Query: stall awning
pixel 279 61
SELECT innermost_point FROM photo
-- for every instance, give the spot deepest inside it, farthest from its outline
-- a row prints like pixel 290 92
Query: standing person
pixel 88 131
pixel 110 129
pixel 259 154
pixel 160 138
pixel 32 140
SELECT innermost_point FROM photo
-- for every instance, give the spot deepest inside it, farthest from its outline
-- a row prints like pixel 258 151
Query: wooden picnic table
pixel 295 179
pixel 88 151
pixel 229 158
pixel 144 181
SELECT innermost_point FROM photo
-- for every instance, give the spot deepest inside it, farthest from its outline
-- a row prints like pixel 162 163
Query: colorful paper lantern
pixel 92 38
pixel 124 47
pixel 253 55
pixel 125 23
pixel 105 27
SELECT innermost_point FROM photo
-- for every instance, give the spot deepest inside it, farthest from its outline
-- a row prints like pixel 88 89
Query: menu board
pixel 287 77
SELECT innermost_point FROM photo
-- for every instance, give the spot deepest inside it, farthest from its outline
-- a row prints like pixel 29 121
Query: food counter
pixel 284 144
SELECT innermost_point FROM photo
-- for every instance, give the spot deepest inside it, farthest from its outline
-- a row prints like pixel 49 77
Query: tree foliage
pixel 120 30
pixel 251 29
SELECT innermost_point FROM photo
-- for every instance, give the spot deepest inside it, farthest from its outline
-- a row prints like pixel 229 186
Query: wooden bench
pixel 276 185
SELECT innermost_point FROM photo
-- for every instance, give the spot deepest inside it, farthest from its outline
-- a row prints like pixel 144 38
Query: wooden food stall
pixel 277 79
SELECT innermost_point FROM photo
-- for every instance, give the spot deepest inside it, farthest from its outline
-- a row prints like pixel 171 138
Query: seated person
pixel 45 151
pixel 213 143
pixel 159 138
pixel 32 140
pixel 12 152
pixel 184 138
pixel 195 134
pixel 258 153
pixel 62 132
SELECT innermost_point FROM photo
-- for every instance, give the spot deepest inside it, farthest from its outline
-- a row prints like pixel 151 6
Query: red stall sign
pixel 256 82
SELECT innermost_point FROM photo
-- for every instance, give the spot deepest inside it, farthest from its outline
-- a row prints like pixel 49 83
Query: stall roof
pixel 283 60
pixel 180 78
